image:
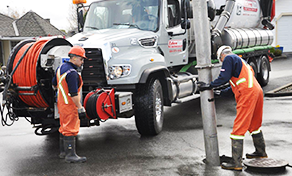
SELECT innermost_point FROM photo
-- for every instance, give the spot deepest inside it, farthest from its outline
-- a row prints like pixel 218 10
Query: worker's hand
pixel 54 87
pixel 81 113
pixel 203 86
pixel 217 93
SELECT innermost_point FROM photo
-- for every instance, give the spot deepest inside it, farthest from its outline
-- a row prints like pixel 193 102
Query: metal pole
pixel 203 52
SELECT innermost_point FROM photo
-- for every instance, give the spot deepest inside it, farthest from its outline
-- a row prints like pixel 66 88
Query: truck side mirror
pixel 186 8
pixel 80 21
pixel 185 24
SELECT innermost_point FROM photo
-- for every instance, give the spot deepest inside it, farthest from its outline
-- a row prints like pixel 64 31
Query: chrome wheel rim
pixel 265 71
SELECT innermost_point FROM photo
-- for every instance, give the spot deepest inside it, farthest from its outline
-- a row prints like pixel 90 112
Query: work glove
pixel 81 113
pixel 217 93
pixel 203 86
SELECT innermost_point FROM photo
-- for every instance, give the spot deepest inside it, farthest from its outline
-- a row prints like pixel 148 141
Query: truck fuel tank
pixel 182 85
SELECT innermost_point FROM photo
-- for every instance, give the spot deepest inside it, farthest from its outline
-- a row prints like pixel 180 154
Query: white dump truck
pixel 141 57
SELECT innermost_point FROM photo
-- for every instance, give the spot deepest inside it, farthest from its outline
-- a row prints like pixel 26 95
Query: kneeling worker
pixel 69 84
pixel 249 98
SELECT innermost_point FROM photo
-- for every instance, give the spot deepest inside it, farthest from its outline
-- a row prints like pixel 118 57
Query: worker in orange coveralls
pixel 249 98
pixel 69 83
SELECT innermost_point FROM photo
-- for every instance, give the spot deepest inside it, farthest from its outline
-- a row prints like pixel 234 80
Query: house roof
pixel 6 27
pixel 29 25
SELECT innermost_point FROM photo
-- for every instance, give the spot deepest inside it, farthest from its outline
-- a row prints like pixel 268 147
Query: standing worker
pixel 249 98
pixel 69 83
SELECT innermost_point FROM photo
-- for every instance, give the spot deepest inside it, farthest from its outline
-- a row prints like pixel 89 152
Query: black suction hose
pixel 224 18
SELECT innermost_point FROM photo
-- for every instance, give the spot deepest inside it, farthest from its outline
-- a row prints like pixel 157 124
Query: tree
pixel 72 19
pixel 13 13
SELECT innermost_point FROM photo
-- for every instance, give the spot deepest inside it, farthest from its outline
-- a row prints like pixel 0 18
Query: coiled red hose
pixel 26 73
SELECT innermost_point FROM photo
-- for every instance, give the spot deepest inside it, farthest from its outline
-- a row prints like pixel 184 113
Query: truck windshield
pixel 119 14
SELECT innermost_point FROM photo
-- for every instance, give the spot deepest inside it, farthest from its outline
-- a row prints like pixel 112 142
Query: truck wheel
pixel 264 73
pixel 254 67
pixel 149 108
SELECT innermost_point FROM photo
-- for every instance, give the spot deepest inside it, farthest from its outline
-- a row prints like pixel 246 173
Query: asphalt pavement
pixel 116 148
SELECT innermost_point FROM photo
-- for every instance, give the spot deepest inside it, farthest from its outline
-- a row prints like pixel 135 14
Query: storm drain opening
pixel 285 90
pixel 266 165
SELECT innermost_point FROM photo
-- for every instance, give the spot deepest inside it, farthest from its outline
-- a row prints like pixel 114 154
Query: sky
pixel 57 11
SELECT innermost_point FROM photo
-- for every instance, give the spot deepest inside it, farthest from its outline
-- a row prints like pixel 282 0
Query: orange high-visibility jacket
pixel 249 98
pixel 68 111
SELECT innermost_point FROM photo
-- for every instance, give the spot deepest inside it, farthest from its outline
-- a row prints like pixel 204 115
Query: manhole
pixel 266 165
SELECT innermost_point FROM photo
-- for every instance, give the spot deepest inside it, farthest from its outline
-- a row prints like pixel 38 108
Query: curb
pixel 283 56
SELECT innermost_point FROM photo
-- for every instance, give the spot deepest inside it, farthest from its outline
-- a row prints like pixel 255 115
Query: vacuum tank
pixel 244 28
pixel 245 14
pixel 245 38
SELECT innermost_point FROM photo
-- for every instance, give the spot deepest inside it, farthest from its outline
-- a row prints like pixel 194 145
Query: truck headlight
pixel 118 71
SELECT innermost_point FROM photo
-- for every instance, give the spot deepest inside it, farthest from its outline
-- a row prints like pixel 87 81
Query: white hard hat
pixel 219 51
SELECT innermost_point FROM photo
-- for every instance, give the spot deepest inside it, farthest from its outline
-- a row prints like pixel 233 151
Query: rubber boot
pixel 235 164
pixel 260 147
pixel 70 149
pixel 62 148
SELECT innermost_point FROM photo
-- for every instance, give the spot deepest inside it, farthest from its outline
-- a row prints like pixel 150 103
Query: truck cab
pixel 136 46
pixel 142 34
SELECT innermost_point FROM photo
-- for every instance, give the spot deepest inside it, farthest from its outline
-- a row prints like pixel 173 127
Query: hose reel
pixel 100 104
pixel 28 84
pixel 30 80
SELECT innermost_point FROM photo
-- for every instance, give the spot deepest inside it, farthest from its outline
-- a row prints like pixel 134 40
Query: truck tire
pixel 253 65
pixel 148 104
pixel 264 73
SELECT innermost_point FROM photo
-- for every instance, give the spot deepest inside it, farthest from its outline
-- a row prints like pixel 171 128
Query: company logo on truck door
pixel 175 45
pixel 250 6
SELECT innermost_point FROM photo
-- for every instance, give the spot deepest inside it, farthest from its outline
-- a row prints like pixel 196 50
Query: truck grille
pixel 93 73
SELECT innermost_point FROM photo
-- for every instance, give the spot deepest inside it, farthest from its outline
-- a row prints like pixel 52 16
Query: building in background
pixel 30 25
pixel 283 24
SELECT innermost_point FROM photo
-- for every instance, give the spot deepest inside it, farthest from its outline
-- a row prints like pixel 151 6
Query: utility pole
pixel 203 53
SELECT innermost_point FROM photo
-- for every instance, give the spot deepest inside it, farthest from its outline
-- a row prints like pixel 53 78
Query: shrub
pixel 278 52
pixel 272 50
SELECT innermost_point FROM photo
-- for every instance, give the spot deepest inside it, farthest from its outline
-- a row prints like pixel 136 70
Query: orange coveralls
pixel 249 98
pixel 68 111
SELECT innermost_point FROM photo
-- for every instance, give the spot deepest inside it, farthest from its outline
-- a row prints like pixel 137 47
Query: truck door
pixel 176 49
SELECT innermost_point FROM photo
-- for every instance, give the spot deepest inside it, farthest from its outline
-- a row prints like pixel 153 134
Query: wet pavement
pixel 116 148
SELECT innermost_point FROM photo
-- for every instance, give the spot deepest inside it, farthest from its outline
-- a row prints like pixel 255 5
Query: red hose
pixel 273 10
pixel 26 73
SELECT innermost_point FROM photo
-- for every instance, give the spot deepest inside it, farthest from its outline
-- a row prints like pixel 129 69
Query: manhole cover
pixel 265 163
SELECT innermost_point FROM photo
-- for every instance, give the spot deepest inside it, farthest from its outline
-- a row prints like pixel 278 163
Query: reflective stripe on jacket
pixel 246 81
